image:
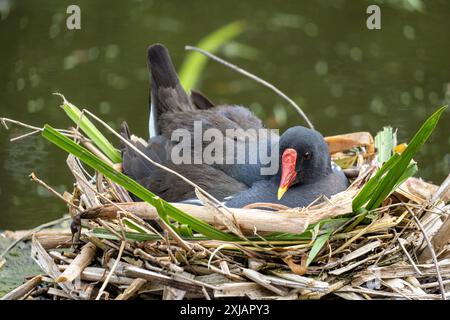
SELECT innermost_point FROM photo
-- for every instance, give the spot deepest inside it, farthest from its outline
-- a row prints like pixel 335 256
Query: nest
pixel 119 249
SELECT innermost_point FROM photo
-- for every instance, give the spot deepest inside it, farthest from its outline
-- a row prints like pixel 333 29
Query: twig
pixel 356 236
pixel 24 135
pixel 433 253
pixel 205 293
pixel 214 253
pixel 184 244
pixel 110 229
pixel 135 286
pixel 77 266
pixel 111 272
pixel 253 77
pixel 442 190
pixel 22 291
pixel 433 284
pixel 121 209
pixel 5 120
pixel 21 124
pixel 2 120
pixel 88 144
pixel 30 233
pixel 407 254
pixel 46 186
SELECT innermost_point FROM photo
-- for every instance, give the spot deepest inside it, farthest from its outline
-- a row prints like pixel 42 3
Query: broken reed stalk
pixel 22 291
pixel 122 209
pixel 293 221
pixel 4 122
pixel 78 264
pixel 442 237
pixel 111 272
pixel 246 218
pixel 433 253
pixel 442 191
pixel 255 78
pixel 131 291
pixel 31 233
pixel 34 178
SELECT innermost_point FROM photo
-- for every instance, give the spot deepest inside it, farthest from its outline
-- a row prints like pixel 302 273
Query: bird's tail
pixel 167 94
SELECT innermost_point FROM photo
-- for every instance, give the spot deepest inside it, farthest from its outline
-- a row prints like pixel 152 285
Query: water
pixel 346 78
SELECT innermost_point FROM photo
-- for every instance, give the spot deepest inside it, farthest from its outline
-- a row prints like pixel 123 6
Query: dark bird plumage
pixel 166 185
pixel 171 108
pixel 315 177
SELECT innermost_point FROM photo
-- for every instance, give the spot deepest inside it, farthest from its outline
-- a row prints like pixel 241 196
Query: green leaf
pixel 133 225
pixel 132 186
pixel 409 172
pixel 136 236
pixel 106 234
pixel 367 191
pixel 385 142
pixel 92 132
pixel 194 63
pixel 318 244
pixel 330 225
pixel 396 170
pixel 159 205
pixel 184 230
pixel 393 177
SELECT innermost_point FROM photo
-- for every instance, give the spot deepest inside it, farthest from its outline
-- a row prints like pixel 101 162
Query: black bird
pixel 305 172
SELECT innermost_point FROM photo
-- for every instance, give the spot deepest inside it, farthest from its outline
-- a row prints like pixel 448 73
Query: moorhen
pixel 305 173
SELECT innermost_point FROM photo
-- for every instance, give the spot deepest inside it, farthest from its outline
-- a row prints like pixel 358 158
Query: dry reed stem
pixel 30 233
pixel 111 272
pixel 433 253
pixel 82 260
pixel 132 290
pixel 21 291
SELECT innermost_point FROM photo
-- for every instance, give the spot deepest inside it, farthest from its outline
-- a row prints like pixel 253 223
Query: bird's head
pixel 304 157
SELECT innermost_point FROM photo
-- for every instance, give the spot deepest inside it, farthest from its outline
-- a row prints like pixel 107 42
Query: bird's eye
pixel 307 156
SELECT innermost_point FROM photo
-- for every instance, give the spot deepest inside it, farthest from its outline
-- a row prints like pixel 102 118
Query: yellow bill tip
pixel 281 191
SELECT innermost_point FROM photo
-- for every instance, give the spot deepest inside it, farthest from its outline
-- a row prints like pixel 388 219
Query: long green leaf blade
pixel 92 132
pixel 366 192
pixel 318 244
pixel 388 183
pixel 396 170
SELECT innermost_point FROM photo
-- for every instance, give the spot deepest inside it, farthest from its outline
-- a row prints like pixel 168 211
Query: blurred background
pixel 320 53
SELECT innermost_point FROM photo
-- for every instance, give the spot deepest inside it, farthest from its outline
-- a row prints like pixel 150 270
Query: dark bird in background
pixel 304 175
